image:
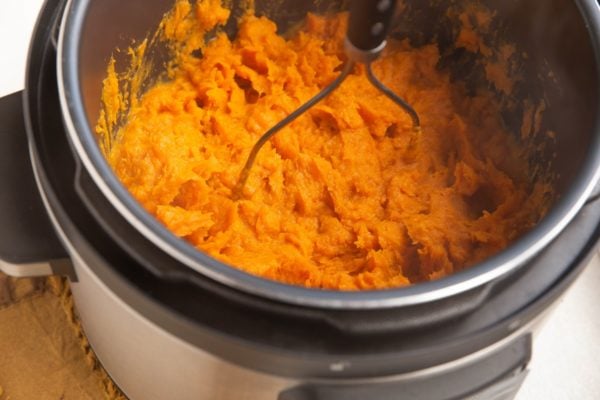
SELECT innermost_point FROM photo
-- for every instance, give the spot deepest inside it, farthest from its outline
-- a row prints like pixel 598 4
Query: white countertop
pixel 566 358
pixel 566 354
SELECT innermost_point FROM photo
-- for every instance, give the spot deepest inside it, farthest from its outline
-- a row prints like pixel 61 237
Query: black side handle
pixel 26 234
pixel 369 23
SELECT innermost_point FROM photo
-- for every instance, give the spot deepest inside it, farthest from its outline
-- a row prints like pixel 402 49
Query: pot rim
pixel 82 139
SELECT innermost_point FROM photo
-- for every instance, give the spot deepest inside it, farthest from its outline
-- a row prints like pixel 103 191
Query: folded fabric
pixel 44 354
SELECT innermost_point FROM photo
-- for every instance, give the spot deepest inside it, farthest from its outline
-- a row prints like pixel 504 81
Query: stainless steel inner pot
pixel 560 36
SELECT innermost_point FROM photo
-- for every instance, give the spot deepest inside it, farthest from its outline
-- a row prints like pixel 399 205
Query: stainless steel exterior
pixel 148 363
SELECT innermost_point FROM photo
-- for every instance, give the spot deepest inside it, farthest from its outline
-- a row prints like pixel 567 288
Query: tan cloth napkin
pixel 43 352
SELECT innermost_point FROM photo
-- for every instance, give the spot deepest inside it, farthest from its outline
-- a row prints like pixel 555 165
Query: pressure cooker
pixel 169 322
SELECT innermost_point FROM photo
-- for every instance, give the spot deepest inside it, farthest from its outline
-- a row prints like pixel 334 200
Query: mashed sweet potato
pixel 349 196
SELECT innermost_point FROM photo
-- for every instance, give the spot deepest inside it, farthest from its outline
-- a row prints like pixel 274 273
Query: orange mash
pixel 349 196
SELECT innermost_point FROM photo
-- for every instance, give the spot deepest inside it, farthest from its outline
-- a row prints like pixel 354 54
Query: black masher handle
pixel 370 22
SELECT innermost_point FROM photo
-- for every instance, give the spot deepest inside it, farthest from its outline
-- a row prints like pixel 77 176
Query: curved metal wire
pixel 237 191
pixel 394 97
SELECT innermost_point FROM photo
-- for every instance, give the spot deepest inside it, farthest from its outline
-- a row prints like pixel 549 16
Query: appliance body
pixel 161 334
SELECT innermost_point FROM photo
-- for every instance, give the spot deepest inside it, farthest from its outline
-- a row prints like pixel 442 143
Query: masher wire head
pixel 368 26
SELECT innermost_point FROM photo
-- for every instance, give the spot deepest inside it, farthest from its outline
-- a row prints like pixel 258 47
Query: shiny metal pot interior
pixel 560 36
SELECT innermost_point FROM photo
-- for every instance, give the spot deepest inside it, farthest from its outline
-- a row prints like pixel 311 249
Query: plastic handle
pixel 28 242
pixel 370 22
